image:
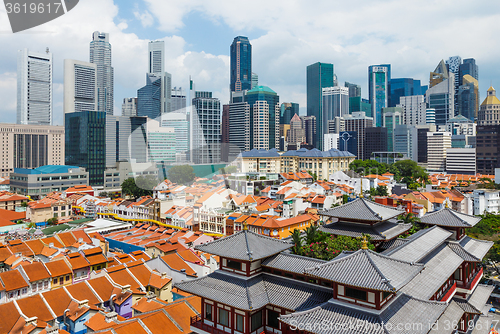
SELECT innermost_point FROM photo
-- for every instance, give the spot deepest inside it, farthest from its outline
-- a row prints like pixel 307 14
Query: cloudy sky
pixel 286 36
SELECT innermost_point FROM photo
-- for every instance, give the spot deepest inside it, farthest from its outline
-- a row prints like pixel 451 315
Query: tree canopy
pixel 141 186
pixel 182 174
pixel 228 170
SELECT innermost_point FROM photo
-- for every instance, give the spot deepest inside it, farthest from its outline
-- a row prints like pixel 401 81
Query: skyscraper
pixel 264 117
pixel 379 77
pixel 406 140
pixel 129 106
pixel 441 93
pixel 453 65
pixel 439 75
pixel 179 122
pixel 413 109
pixel 375 141
pixel 156 66
pixel 357 122
pixel 489 113
pixel 288 109
pixel 468 67
pixel 241 64
pixel 354 90
pixel 100 54
pixel 335 104
pixel 319 76
pixel 404 87
pixel 80 86
pixel 391 118
pixel 206 129
pixel 255 80
pixel 239 123
pixel 149 102
pixel 34 87
pixel 310 126
pixel 468 97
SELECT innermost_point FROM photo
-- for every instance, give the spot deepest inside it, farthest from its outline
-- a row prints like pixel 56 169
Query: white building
pixel 335 104
pixel 486 200
pixel 178 121
pixel 414 109
pixel 437 144
pixel 430 116
pixel 331 140
pixel 156 65
pixel 129 106
pixel 160 143
pixel 206 129
pixel 461 161
pixel 80 86
pixel 34 87
pixel 100 54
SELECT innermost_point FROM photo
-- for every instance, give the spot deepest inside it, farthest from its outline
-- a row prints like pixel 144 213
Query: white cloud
pixel 145 17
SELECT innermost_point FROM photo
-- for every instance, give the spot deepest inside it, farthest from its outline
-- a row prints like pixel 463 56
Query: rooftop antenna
pixel 47 50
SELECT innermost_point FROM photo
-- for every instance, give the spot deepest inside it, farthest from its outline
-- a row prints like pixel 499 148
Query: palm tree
pixel 311 234
pixel 409 218
pixel 297 240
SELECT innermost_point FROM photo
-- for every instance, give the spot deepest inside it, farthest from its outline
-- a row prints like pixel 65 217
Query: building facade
pixel 206 130
pixel 129 106
pixel 149 97
pixel 241 64
pixel 335 104
pixel 100 54
pixel 402 87
pixel 288 109
pixel 489 112
pixel 406 140
pixel 156 66
pixel 375 141
pixel 358 122
pixel 441 97
pixel 264 117
pixel 413 109
pixel 437 145
pixel 80 86
pixel 468 98
pixel 391 117
pixel 461 161
pixel 487 148
pixel 379 77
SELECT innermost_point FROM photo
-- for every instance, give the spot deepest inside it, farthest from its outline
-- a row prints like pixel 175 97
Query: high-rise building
pixel 439 75
pixel 460 125
pixel 205 130
pixel 156 66
pixel 288 109
pixel 422 131
pixel 487 148
pixel 468 97
pixel 80 86
pixel 319 76
pixel 375 141
pixel 404 87
pixel 453 65
pixel 468 67
pixel 129 106
pixel 179 122
pixel 358 122
pixel 178 99
pixel 354 90
pixel 335 104
pixel 30 146
pixel 160 143
pixel 310 125
pixel 100 54
pixel 34 87
pixel 379 78
pixel 461 161
pixel 336 125
pixel 357 103
pixel 264 117
pixel 331 141
pixel 125 139
pixel 390 118
pixel 437 144
pixel 413 109
pixel 85 142
pixel 297 133
pixel 441 96
pixel 241 64
pixel 255 80
pixel 149 97
pixel 489 112
pixel 239 123
pixel 348 141
pixel 430 116
pixel 406 140
pixel 225 133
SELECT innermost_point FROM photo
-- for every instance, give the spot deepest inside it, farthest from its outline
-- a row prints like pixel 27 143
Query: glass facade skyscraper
pixel 379 78
pixel 288 109
pixel 206 129
pixel 241 64
pixel 149 97
pixel 404 87
pixel 319 76
pixel 264 117
pixel 100 54
pixel 468 67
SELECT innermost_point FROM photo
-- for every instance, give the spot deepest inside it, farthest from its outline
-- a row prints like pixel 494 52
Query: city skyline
pixel 280 54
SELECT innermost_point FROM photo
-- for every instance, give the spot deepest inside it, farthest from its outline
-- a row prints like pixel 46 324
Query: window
pixel 239 323
pixel 45 284
pixel 234 264
pixel 208 312
pixel 256 321
pixel 356 294
pixel 67 278
pixel 224 317
pixel 272 319
pixel 55 281
pixel 386 295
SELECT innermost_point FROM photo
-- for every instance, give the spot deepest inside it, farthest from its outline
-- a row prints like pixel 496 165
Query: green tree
pixel 408 218
pixel 311 233
pixel 228 170
pixel 379 191
pixel 183 174
pixel 345 199
pixel 103 194
pixel 141 186
pixel 410 172
pixel 52 221
pixel 297 241
pixel 326 246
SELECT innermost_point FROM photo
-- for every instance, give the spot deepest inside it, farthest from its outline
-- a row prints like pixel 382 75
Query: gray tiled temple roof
pixel 291 262
pixel 367 269
pixel 460 251
pixel 378 232
pixel 480 296
pixel 245 245
pixel 344 319
pixel 451 315
pixel 256 292
pixel 420 244
pixel 476 247
pixel 393 243
pixel 364 210
pixel 449 217
pixel 439 266
pixel 466 306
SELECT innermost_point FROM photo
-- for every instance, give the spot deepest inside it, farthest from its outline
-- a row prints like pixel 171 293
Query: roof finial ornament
pixel 361 192
pixel 446 204
pixel 364 243
pixel 245 226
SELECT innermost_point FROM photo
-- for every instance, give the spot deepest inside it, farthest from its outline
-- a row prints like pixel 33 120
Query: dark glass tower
pixel 404 87
pixel 241 64
pixel 468 67
pixel 319 76
pixel 287 112
pixel 379 78
pixel 149 97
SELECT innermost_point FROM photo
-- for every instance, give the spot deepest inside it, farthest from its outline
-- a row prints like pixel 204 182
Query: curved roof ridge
pixel 463 249
pixel 371 210
pixel 374 265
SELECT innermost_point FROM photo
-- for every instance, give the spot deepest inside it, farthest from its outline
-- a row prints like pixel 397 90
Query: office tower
pixel 156 66
pixel 287 110
pixel 430 116
pixel 34 87
pixel 100 54
pixel 461 161
pixel 297 133
pixel 335 104
pixel 354 90
pixel 129 106
pixel 453 65
pixel 239 123
pixel 336 125
pixel 178 99
pixel 264 117
pixel 375 141
pixel 358 122
pixel 225 133
pixel 468 97
pixel 413 109
pixel 206 129
pixel 404 87
pixel 437 144
pixel 310 125
pixel 149 97
pixel 439 75
pixel 30 146
pixel 80 86
pixel 468 67
pixel 241 64
pixel 319 76
pixel 255 80
pixel 460 125
pixel 357 103
pixel 379 77
pixel 160 143
pixel 422 131
pixel 406 140
pixel 487 148
pixel 390 118
pixel 441 96
pixel 179 122
pixel 85 141
pixel 489 112
pixel 348 141
pixel 125 139
pixel 331 141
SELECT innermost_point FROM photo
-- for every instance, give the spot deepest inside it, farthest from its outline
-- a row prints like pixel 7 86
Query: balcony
pixel 472 282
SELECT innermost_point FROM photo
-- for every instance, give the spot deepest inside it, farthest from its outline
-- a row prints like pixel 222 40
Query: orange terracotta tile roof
pixel 157 281
pixel 12 215
pixel 80 291
pixel 5 253
pixel 102 286
pixel 58 300
pixel 12 280
pixel 77 261
pixel 67 238
pixel 34 306
pixel 36 271
pixel 18 246
pixel 10 315
pixel 175 262
pixel 58 268
pixel 50 240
